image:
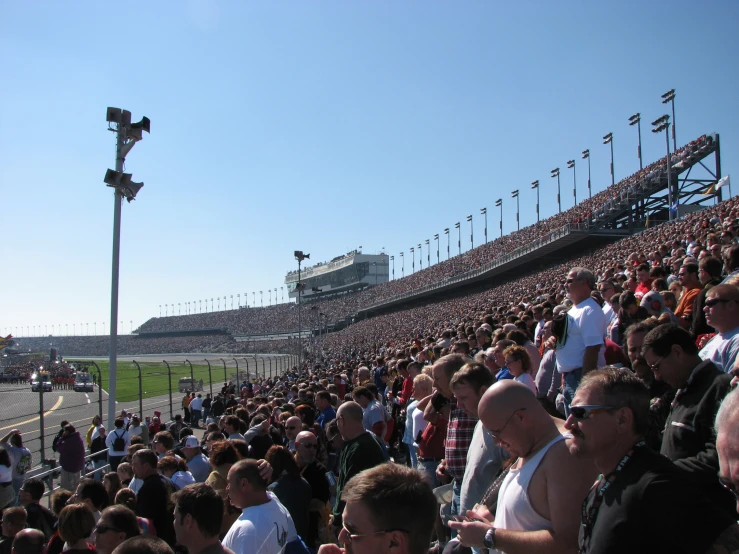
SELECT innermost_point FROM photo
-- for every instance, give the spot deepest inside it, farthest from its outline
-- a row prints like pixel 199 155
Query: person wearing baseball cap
pixel 197 463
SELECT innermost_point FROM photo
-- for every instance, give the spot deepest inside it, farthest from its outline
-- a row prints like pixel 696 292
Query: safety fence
pixel 142 387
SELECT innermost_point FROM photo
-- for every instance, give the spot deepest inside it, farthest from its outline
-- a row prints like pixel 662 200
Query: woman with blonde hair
pixel 518 362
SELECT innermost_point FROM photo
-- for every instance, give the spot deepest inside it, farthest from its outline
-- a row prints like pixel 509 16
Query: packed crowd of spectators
pixel 284 317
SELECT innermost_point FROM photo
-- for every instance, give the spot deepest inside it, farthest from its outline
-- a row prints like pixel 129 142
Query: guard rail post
pixel 270 367
pixel 210 378
pixel 192 375
pixel 238 386
pixel 225 375
pixel 247 366
pixel 169 375
pixel 41 415
pixel 264 371
pixel 141 389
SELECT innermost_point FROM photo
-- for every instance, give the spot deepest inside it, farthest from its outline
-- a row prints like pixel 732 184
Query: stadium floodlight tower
pixel 459 238
pixel 514 194
pixel 446 232
pixel 127 135
pixel 608 139
pixel 636 120
pixel 571 165
pixel 499 203
pixel 484 211
pixel 535 185
pixel 586 156
pixel 555 173
pixel 299 256
pixel 669 96
pixel 472 242
pixel 663 124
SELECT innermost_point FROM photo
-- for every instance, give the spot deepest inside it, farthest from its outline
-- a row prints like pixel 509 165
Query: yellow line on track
pixel 19 423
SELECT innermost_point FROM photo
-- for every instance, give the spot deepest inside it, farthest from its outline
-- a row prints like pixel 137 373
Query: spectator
pixel 306 450
pixel 7 494
pixel 709 274
pixel 198 516
pixel 112 483
pixel 293 492
pixel 176 471
pixel 688 439
pixel 608 421
pixel 265 525
pixel 29 541
pixel 722 313
pixel 13 522
pixel 117 523
pixel 20 457
pixel 197 463
pixel 92 494
pixel 518 423
pixel 196 410
pixel 143 544
pixel 581 349
pixel 388 508
pixel 76 524
pixel 152 500
pixel 71 449
pixel 519 364
pixel 360 451
pixel 117 442
pixel 727 433
pixel 691 284
pixel 38 516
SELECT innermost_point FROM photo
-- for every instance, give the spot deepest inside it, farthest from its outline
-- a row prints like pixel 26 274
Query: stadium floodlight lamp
pixel 634 119
pixel 607 138
pixel 456 225
pixel 499 202
pixel 446 231
pixel 534 184
pixel 570 164
pixel 664 120
pixel 668 96
pixel 555 172
pixel 514 193
pixel 585 154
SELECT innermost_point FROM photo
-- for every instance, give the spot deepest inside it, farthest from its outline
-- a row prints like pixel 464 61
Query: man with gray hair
pixel 727 442
pixel 580 342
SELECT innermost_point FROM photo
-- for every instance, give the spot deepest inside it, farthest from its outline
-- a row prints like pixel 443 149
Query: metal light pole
pixel 555 173
pixel 446 232
pixel 484 211
pixel 514 194
pixel 402 265
pixel 261 298
pixel 428 253
pixel 282 294
pixel 535 185
pixel 392 260
pixel 571 165
pixel 586 156
pixel 299 256
pixel 499 203
pixel 636 120
pixel 254 298
pixel 608 139
pixel 663 124
pixel 436 238
pixel 459 237
pixel 127 134
pixel 472 242
pixel 420 255
pixel 669 96
pixel 413 251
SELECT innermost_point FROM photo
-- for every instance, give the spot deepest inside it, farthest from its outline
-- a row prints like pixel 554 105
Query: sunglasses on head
pixel 584 411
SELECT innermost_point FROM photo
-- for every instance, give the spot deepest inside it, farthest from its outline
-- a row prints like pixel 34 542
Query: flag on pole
pixel 673 208
pixel 710 190
pixel 723 182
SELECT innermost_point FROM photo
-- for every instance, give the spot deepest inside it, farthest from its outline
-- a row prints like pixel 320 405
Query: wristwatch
pixel 489 540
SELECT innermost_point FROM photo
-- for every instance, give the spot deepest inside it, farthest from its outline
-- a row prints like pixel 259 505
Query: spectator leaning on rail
pixel 71 449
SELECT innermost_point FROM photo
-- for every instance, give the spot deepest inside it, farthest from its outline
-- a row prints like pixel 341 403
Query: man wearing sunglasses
pixel 306 449
pixel 389 509
pixel 721 307
pixel 608 421
pixel 688 438
pixel 727 443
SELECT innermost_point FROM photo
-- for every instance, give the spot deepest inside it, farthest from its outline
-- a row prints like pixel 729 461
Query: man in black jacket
pixel 38 516
pixel 152 500
pixel 689 439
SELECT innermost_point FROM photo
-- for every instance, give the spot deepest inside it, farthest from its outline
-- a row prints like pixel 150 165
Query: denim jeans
pixel 428 470
pixel 571 381
pixel 195 417
pixel 456 493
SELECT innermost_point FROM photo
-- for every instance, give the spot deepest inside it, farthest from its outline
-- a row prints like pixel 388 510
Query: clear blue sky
pixel 318 126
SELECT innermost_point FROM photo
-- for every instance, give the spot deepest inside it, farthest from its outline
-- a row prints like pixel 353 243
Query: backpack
pixel 119 443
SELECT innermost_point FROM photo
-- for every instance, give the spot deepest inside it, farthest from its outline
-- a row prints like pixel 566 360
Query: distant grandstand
pixel 350 272
pixel 623 210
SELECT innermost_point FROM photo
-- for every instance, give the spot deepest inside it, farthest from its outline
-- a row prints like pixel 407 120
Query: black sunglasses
pixel 713 301
pixel 584 411
pixel 101 528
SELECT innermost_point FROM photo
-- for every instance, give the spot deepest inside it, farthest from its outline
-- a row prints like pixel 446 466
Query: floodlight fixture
pixel 586 154
pixel 607 138
pixel 299 256
pixel 534 184
pixel 668 96
pixel 499 202
pixel 634 119
pixel 555 172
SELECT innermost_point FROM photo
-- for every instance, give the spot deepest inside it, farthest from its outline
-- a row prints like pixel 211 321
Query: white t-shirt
pixel 527 380
pixel 419 424
pixel 722 350
pixel 586 327
pixel 182 478
pixel 373 413
pixel 264 529
pixel 112 436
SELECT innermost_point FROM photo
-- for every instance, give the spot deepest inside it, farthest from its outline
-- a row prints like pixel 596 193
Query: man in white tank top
pixel 539 502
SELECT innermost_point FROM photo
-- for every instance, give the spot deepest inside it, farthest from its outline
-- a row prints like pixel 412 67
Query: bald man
pixel 29 541
pixel 306 448
pixel 727 442
pixel 293 426
pixel 539 502
pixel 360 451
